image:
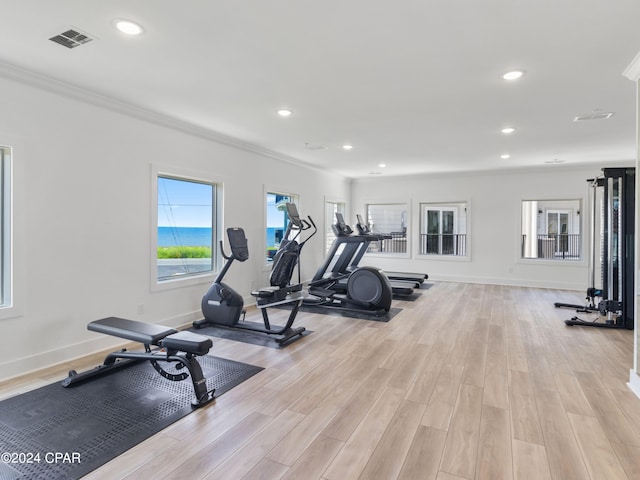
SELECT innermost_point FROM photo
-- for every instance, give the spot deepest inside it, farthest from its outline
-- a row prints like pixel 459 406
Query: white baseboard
pixel 69 353
pixel 507 282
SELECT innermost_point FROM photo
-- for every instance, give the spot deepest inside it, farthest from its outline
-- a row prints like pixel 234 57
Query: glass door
pixel 558 229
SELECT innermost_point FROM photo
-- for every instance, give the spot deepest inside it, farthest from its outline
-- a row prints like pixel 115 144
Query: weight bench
pixel 173 346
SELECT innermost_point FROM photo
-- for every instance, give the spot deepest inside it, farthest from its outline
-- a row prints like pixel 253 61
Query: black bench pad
pixel 147 333
pixel 187 342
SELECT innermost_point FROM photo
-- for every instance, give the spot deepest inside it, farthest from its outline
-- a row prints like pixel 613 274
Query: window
pixel 277 220
pixel 551 229
pixel 6 299
pixel 390 220
pixel 186 227
pixel 443 229
pixel 331 208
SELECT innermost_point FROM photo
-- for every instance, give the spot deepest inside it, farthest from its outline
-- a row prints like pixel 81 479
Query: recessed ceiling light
pixel 382 165
pixel 347 147
pixel 128 27
pixel 504 156
pixel 284 112
pixel 512 75
pixel 508 130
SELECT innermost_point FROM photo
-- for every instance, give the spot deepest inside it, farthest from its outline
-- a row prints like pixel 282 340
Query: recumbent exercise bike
pixel 223 306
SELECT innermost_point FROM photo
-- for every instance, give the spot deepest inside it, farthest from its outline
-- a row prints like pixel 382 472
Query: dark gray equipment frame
pixel 618 242
pixel 180 348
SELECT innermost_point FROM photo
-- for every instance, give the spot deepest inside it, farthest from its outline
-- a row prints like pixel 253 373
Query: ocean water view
pixel 184 237
pixel 201 236
pixel 197 237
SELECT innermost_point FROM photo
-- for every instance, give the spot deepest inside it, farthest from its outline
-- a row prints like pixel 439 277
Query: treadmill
pixel 364 230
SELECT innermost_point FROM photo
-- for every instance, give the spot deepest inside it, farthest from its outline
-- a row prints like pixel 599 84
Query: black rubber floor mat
pixel 64 433
pixel 343 312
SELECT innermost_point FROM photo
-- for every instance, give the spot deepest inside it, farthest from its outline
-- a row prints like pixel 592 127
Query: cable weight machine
pixel 611 250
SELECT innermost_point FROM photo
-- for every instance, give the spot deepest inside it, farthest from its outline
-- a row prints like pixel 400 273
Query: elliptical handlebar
pixel 308 225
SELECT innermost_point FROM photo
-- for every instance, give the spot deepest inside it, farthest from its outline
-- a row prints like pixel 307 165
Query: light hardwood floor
pixel 467 382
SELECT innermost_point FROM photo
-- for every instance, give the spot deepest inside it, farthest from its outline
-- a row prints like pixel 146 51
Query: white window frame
pixel 12 230
pixel 459 209
pixel 529 223
pixel 5 228
pixel 217 226
pixel 407 226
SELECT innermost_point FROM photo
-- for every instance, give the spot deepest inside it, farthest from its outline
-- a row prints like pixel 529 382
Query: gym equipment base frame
pixel 180 348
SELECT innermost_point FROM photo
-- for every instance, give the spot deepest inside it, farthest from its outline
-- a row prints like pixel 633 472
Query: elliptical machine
pixel 364 289
pixel 365 230
pixel 399 287
pixel 223 306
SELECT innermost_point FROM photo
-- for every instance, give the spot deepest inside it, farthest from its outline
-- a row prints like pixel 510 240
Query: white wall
pixel 83 229
pixel 632 72
pixel 494 223
pixel 83 208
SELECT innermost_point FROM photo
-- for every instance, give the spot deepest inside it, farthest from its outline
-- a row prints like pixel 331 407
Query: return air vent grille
pixel 71 38
pixel 310 146
pixel 593 116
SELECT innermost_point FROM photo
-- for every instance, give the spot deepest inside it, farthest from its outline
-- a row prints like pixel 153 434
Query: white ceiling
pixel 413 84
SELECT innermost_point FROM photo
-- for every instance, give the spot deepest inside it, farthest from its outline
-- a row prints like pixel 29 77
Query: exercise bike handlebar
pixel 222 252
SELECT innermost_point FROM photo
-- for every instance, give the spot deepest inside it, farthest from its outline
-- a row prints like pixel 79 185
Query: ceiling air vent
pixel 71 38
pixel 595 115
pixel 310 146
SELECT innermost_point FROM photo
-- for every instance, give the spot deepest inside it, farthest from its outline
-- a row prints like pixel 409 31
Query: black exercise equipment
pixel 363 289
pixel 223 306
pixel 350 258
pixel 365 230
pixel 616 190
pixel 591 302
pixel 179 348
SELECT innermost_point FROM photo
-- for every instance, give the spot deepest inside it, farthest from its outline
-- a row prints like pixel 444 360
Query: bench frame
pixel 149 335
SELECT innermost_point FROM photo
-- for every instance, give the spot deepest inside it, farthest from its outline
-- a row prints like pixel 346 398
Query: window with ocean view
pixel 5 227
pixel 186 219
pixel 277 220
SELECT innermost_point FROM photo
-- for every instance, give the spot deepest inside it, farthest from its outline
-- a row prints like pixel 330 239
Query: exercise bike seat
pixel 265 292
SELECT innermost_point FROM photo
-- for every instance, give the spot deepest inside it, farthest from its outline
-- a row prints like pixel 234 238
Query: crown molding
pixel 632 72
pixel 530 169
pixel 75 92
